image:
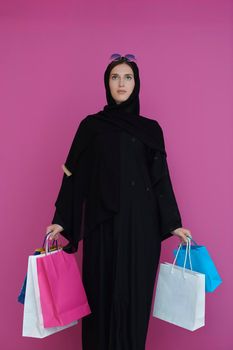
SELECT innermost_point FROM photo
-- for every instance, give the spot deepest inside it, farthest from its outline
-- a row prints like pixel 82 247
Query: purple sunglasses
pixel 117 56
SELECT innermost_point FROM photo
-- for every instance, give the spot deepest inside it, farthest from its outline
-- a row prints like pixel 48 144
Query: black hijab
pixel 126 115
pixel 91 194
pixel 131 105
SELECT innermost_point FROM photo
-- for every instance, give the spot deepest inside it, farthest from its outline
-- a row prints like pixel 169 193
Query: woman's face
pixel 121 78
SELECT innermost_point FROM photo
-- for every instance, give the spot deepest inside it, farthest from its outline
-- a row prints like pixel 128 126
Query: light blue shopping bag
pixel 201 262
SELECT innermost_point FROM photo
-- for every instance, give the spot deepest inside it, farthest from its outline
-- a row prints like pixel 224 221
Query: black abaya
pixel 119 200
pixel 120 260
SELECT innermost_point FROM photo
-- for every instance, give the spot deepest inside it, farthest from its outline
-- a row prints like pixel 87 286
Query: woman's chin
pixel 118 101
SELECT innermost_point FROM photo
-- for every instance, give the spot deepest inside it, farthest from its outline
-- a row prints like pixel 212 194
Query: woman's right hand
pixel 54 230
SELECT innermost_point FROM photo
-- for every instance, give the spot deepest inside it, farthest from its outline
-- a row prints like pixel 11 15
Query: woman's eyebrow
pixel 124 74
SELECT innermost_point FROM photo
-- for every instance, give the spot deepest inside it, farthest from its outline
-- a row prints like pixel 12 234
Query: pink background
pixel 53 56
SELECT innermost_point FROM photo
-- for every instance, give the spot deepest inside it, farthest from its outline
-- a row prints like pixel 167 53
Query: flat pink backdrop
pixel 53 56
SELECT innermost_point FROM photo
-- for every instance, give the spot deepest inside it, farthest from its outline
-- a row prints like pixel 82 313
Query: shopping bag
pixel 201 262
pixel 180 295
pixel 33 325
pixel 62 294
pixel 21 295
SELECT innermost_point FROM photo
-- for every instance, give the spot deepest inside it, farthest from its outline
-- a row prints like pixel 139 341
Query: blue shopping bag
pixel 201 261
pixel 21 296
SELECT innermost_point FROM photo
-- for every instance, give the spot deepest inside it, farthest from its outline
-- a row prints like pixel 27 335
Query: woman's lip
pixel 121 91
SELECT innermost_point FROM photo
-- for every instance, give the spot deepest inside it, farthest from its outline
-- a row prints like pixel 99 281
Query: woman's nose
pixel 121 82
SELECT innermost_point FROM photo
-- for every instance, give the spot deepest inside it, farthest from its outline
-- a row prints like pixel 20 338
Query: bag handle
pixel 187 251
pixel 55 240
pixel 191 240
pixel 46 240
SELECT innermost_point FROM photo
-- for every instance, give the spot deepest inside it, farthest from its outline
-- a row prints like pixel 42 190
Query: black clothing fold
pixel 120 260
pixel 91 194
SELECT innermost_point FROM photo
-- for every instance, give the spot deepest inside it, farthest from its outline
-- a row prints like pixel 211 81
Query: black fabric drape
pixel 91 194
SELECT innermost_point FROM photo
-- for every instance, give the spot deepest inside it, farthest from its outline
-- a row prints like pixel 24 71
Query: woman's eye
pixel 128 76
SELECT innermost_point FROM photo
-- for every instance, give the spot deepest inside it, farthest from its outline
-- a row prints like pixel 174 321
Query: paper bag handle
pixel 187 251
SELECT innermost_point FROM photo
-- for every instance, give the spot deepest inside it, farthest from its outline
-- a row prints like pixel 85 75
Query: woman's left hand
pixel 182 233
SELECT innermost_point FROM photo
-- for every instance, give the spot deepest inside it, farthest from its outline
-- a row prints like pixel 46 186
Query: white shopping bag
pixel 32 315
pixel 180 295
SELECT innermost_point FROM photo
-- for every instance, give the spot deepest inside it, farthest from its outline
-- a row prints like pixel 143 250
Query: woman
pixel 117 196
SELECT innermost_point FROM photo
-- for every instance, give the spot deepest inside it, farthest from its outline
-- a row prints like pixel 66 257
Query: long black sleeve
pixel 169 213
pixel 64 217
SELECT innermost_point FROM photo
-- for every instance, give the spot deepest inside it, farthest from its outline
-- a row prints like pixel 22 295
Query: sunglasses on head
pixel 117 57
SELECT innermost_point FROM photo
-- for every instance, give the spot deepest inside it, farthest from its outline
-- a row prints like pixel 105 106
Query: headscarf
pixel 131 105
pixel 126 115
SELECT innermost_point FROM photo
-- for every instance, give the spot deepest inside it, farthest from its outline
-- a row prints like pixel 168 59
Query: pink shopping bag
pixel 62 294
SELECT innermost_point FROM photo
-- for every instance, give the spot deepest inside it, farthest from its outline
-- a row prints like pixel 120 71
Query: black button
pixel 132 182
pixel 161 195
pixel 148 188
pixel 133 139
pixel 156 157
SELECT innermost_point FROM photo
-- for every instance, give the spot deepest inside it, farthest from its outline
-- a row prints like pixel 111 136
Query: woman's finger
pixel 53 235
pixel 48 230
pixel 188 233
pixel 184 238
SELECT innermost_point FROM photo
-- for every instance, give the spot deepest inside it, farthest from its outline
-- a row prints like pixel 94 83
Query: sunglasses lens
pixel 115 56
pixel 130 57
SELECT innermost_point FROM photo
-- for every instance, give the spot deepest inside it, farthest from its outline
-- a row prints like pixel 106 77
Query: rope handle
pixel 55 240
pixel 46 243
pixel 191 240
pixel 187 251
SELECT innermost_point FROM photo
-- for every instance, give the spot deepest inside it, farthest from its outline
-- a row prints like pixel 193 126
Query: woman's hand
pixel 55 229
pixel 182 233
